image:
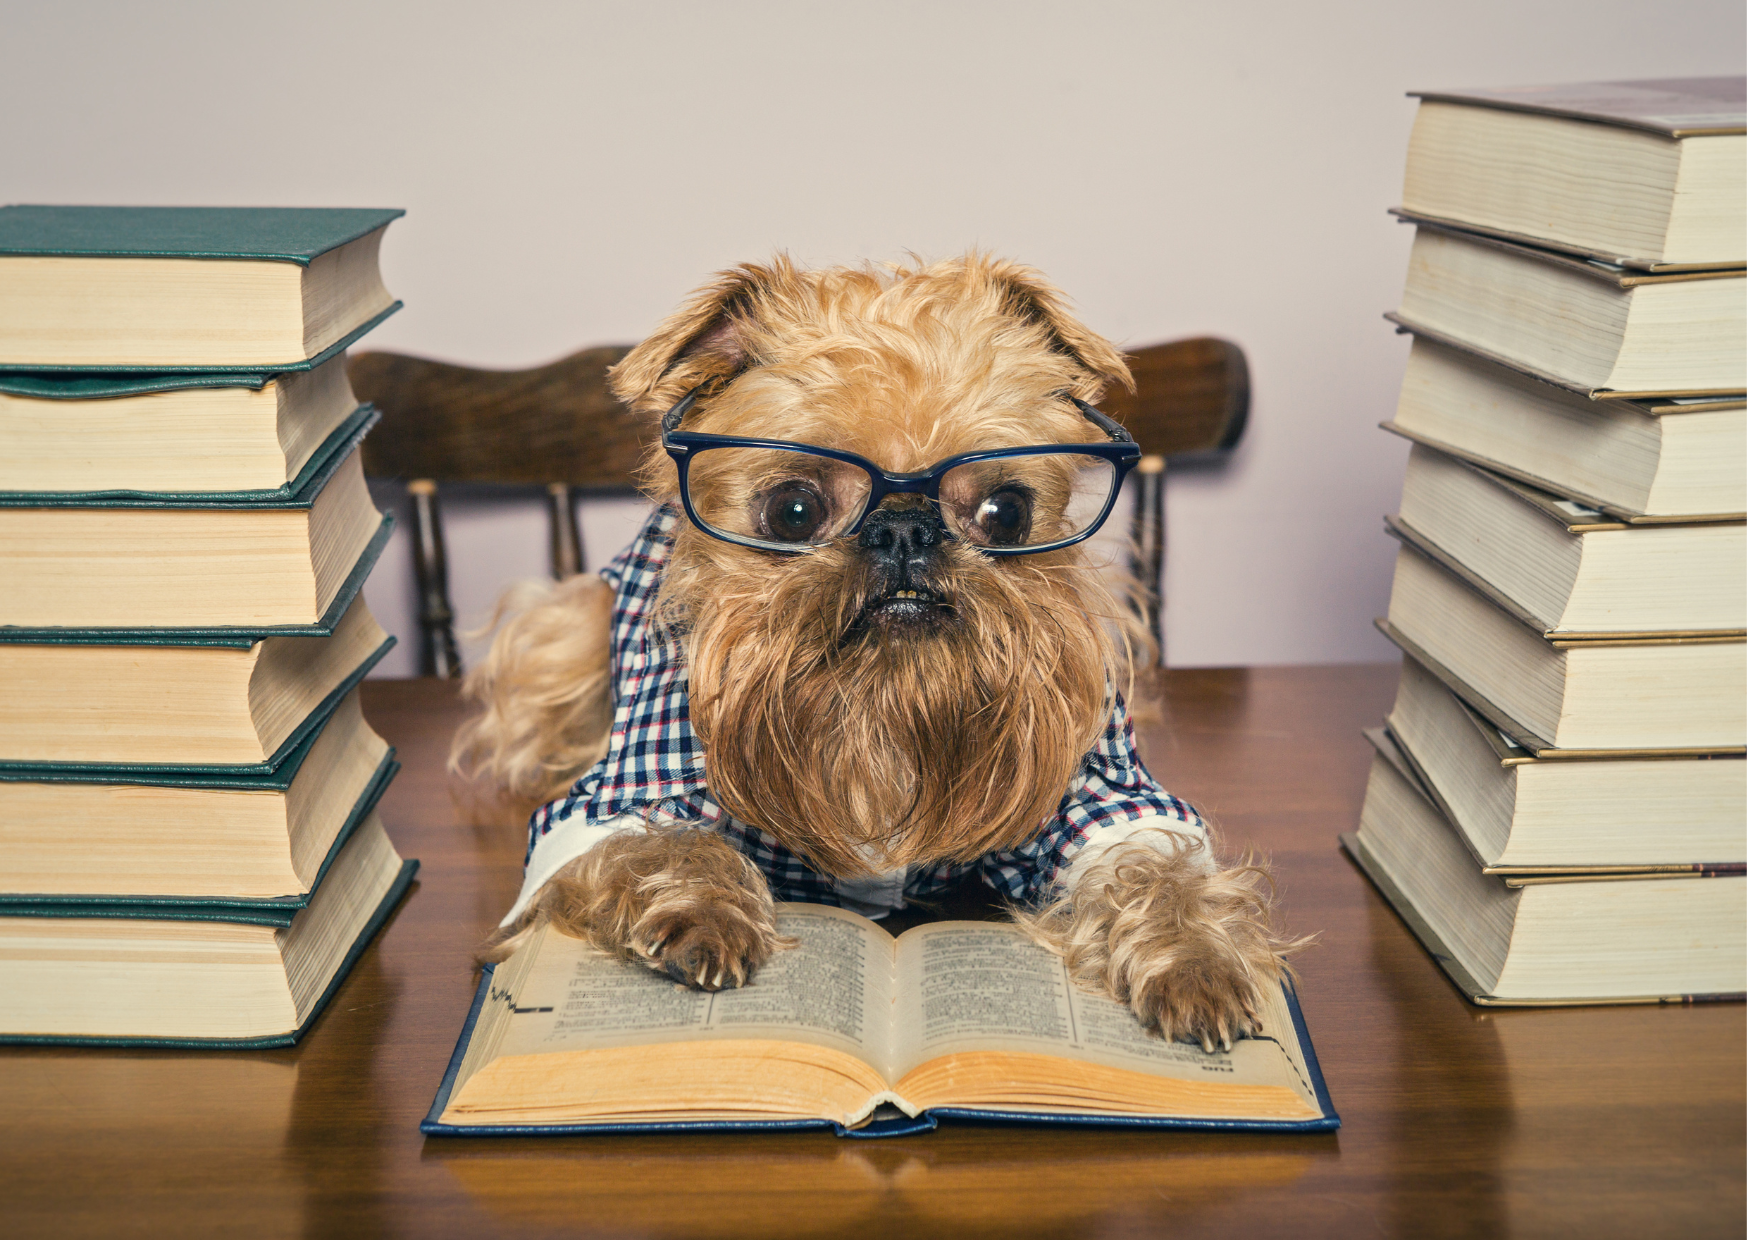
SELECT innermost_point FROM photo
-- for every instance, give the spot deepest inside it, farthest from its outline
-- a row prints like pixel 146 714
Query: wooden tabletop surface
pixel 1456 1121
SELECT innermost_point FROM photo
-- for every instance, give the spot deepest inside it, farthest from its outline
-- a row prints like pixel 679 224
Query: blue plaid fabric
pixel 655 766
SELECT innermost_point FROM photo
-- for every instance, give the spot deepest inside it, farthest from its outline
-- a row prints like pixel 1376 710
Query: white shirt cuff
pixel 563 844
pixel 1150 831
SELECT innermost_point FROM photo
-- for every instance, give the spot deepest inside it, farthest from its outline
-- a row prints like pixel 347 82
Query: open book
pixel 854 1030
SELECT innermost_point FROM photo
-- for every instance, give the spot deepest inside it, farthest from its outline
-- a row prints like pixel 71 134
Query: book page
pixel 984 986
pixel 833 990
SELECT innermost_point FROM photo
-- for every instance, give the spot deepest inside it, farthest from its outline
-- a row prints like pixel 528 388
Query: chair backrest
pixel 1191 401
pixel 553 423
pixel 559 427
pixel 555 426
pixel 1191 397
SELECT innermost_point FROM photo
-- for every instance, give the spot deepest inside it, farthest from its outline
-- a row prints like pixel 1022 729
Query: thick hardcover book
pixel 1610 696
pixel 1589 327
pixel 317 472
pixel 1476 991
pixel 1639 174
pixel 1641 462
pixel 1565 570
pixel 853 1032
pixel 243 436
pixel 213 706
pixel 222 289
pixel 1556 814
pixel 375 914
pixel 1572 938
pixel 266 910
pixel 299 492
pixel 99 570
pixel 1671 107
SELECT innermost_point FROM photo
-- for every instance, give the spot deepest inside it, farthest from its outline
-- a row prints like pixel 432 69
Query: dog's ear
pixel 1027 295
pixel 710 337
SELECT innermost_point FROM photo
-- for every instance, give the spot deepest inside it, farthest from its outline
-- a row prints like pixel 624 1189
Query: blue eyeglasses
pixel 776 495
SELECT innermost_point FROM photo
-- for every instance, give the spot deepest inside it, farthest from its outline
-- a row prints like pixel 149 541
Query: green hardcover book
pixel 172 702
pixel 207 565
pixel 181 975
pixel 252 841
pixel 249 435
pixel 219 289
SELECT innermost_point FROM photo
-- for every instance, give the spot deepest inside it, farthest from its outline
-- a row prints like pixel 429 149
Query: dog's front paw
pixel 682 901
pixel 707 937
pixel 1192 988
pixel 1189 951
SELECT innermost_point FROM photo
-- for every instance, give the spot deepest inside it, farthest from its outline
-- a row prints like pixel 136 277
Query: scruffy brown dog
pixel 858 653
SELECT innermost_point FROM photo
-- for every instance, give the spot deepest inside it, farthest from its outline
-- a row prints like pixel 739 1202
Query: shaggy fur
pixel 1188 951
pixel 682 901
pixel 860 742
pixel 546 689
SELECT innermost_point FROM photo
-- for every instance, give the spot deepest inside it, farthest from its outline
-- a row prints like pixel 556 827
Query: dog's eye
pixel 793 513
pixel 1005 517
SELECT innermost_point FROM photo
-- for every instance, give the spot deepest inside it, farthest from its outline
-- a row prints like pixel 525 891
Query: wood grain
pixel 1191 396
pixel 1457 1121
pixel 552 423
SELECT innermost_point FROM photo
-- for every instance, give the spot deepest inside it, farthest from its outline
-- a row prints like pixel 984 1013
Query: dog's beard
pixel 863 743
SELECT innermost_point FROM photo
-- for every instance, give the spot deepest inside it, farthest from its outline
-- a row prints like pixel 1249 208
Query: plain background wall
pixel 570 171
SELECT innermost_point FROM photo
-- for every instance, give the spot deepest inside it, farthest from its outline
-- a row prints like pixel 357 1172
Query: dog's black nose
pixel 903 540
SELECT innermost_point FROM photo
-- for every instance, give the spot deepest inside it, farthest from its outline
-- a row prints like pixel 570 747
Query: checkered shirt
pixel 654 765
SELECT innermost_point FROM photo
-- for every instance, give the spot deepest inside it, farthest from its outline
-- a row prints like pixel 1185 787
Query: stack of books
pixel 189 848
pixel 1556 805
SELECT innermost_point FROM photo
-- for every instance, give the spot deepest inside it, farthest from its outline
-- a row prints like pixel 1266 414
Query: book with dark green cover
pixel 312 482
pixel 385 907
pixel 25 769
pixel 15 372
pixel 300 492
pixel 273 911
pixel 280 234
pixel 218 779
pixel 76 317
pixel 52 385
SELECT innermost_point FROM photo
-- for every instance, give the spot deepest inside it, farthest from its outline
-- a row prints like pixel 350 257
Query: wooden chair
pixel 558 427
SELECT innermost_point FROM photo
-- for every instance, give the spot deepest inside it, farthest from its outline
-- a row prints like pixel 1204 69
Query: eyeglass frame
pixel 1122 452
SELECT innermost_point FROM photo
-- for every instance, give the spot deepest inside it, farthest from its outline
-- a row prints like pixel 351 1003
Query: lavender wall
pixel 571 170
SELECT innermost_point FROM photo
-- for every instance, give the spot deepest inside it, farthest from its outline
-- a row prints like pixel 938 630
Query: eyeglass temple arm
pixel 1104 423
pixel 671 419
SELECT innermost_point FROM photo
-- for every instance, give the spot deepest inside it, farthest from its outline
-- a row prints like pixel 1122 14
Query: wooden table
pixel 1457 1121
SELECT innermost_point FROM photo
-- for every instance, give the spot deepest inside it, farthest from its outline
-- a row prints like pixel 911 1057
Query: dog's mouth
pixel 899 610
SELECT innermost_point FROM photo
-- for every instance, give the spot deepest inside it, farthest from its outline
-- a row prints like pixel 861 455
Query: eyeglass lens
pixel 778 495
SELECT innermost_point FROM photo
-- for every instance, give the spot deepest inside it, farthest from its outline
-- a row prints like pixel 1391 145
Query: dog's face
pixel 893 695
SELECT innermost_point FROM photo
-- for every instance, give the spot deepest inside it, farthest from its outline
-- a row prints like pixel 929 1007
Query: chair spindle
pixel 438 654
pixel 1149 541
pixel 566 539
